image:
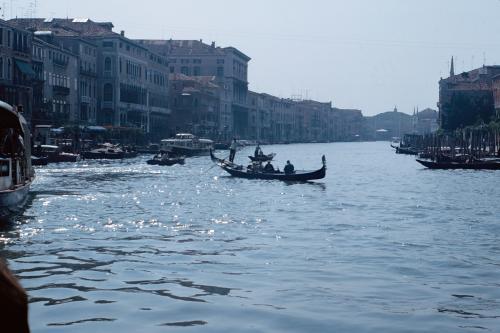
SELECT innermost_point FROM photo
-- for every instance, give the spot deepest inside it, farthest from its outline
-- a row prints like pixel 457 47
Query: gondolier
pixel 258 151
pixel 232 150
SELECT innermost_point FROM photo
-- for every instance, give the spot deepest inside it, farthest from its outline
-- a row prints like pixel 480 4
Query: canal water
pixel 380 245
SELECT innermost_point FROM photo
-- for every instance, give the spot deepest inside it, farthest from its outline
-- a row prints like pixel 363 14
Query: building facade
pixel 124 81
pixel 470 98
pixel 59 67
pixel 16 71
pixel 195 102
pixel 228 65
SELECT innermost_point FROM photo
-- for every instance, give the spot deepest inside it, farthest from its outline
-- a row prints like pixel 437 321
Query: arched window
pixel 107 64
pixel 108 92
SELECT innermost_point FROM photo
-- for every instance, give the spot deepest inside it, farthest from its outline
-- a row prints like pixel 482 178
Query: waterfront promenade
pixel 380 245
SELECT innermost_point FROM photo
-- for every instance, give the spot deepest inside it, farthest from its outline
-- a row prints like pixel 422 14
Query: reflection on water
pixel 379 245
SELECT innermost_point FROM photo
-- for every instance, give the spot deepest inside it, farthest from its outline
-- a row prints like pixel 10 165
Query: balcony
pixel 87 72
pixel 60 91
pixel 60 62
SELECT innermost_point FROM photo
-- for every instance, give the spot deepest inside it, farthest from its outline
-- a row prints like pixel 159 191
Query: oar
pixel 213 166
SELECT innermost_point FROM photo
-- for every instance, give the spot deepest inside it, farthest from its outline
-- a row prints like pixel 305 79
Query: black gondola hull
pixel 457 165
pixel 240 172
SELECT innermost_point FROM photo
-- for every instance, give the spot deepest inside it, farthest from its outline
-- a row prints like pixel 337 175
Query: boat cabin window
pixel 4 168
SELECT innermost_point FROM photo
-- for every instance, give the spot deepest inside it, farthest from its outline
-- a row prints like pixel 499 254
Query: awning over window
pixel 25 68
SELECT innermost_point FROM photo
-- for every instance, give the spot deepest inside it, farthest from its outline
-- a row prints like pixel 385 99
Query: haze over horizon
pixel 357 54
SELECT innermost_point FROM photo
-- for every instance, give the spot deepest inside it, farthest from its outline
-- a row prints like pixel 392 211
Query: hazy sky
pixel 365 54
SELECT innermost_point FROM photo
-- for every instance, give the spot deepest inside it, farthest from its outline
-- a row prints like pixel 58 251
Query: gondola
pixel 476 165
pixel 240 171
pixel 262 158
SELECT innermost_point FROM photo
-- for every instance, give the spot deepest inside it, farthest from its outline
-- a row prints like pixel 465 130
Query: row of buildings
pixel 470 98
pixel 80 72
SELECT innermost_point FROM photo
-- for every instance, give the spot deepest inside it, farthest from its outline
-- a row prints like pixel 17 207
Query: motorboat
pixel 166 159
pixel 106 151
pixel 16 171
pixel 185 144
pixel 54 154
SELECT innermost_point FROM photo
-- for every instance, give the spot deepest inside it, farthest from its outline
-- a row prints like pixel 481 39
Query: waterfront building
pixel 132 81
pixel 195 102
pixel 347 125
pixel 86 51
pixel 59 73
pixel 16 72
pixel 227 64
pixel 469 98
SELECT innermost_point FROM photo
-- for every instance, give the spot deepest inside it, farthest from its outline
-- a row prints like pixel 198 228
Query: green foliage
pixel 468 108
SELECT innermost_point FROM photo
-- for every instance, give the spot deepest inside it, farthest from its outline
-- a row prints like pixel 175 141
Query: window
pixel 9 69
pixel 1 36
pixel 107 44
pixel 220 71
pixel 8 38
pixel 172 69
pixel 1 68
pixel 107 64
pixel 108 92
pixel 220 61
pixel 185 70
pixel 196 71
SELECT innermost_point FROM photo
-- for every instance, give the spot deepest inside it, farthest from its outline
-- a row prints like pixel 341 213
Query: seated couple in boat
pixel 289 168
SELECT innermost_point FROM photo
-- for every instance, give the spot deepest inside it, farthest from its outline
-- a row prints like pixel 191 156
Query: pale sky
pixel 364 54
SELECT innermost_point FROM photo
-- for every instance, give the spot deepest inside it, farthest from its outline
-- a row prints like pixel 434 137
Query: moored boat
pixel 185 144
pixel 54 154
pixel 471 165
pixel 16 171
pixel 240 171
pixel 39 161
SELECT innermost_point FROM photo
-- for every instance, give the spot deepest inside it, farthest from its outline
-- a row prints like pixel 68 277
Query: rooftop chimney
pixel 122 33
pixel 213 45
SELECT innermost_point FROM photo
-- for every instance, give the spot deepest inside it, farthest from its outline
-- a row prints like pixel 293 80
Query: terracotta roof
pixel 67 27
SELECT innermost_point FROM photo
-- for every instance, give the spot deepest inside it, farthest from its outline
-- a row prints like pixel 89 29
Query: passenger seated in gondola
pixel 289 168
pixel 269 168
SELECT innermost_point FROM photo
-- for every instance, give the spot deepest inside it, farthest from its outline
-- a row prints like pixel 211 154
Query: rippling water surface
pixel 380 245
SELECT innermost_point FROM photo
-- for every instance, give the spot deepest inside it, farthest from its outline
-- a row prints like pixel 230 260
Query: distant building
pixel 16 71
pixel 228 65
pixel 387 125
pixel 469 98
pixel 426 121
pixel 195 102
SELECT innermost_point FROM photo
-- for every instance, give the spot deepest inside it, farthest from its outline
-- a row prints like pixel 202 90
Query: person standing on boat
pixel 289 168
pixel 232 150
pixel 258 151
